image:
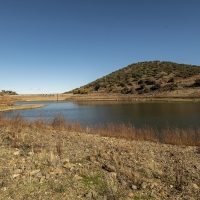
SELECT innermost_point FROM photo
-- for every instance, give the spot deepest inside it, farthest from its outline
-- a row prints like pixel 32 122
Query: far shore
pixel 120 97
pixel 102 97
pixel 21 107
pixel 42 97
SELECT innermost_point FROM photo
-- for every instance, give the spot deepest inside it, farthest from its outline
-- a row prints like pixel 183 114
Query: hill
pixel 147 78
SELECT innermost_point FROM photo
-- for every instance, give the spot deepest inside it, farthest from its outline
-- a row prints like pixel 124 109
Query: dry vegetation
pixel 56 159
pixel 7 100
pixel 168 135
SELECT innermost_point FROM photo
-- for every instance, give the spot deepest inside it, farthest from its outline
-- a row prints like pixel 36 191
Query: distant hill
pixel 145 78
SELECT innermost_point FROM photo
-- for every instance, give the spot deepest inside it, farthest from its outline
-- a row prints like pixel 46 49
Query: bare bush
pixel 58 122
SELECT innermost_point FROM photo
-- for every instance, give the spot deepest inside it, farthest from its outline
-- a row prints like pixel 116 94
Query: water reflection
pixel 155 114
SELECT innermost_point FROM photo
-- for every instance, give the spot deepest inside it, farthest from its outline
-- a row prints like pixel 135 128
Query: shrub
pixel 58 122
pixel 132 90
pixel 125 90
pixel 196 83
pixel 155 87
pixel 140 82
pixel 150 82
pixel 142 86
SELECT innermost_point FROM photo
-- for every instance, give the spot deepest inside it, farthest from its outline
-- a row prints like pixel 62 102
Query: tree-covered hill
pixel 145 77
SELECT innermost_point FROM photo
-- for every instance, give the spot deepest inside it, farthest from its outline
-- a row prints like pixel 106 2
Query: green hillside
pixel 145 77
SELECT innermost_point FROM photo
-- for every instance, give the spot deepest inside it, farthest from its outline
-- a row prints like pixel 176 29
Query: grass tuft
pixel 18 137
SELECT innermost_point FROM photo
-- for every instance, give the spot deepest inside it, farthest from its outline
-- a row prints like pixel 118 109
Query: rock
pixel 15 175
pixel 144 185
pixel 47 176
pixel 91 195
pixel 195 186
pixel 153 185
pixel 69 165
pixel 34 172
pixel 130 194
pixel 58 171
pixel 31 153
pixel 112 176
pixel 17 171
pixel 87 150
pixel 16 153
pixel 42 179
pixel 38 175
pixel 92 158
pixel 88 195
pixel 65 160
pixel 109 168
pixel 134 187
pixel 77 177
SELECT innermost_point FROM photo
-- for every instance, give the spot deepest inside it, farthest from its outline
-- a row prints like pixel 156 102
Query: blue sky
pixel 53 46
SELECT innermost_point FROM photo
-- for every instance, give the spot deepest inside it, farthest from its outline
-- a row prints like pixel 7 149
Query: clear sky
pixel 53 46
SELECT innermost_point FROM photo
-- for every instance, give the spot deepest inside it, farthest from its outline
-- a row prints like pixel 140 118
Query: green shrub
pixel 155 87
pixel 197 83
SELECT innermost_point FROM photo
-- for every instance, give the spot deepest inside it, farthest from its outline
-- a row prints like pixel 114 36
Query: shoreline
pixel 125 98
pixel 104 97
pixel 21 107
pixel 90 97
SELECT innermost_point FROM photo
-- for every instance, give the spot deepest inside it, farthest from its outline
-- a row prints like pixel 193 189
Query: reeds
pixel 56 128
pixel 177 136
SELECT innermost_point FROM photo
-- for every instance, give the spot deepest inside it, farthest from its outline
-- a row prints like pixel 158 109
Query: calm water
pixel 156 114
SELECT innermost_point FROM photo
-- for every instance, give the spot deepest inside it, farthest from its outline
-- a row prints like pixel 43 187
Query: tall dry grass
pixel 28 134
pixel 177 136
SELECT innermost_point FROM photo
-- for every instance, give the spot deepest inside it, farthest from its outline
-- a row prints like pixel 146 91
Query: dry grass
pixel 49 145
pixel 58 126
pixel 188 137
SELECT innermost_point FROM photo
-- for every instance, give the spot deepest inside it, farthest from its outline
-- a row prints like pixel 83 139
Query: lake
pixel 155 114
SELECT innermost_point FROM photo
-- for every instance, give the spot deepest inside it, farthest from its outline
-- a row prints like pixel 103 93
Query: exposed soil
pixel 55 164
pixel 7 101
pixel 20 107
pixel 44 97
pixel 191 94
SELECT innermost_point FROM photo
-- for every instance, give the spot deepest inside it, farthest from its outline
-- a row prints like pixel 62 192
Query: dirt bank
pixel 44 97
pixel 192 95
pixel 56 164
pixel 21 107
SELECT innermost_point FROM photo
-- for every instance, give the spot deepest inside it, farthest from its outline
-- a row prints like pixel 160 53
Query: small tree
pixel 132 90
pixel 156 86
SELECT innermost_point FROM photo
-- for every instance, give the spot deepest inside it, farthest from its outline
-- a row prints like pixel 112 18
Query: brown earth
pixel 20 107
pixel 6 101
pixel 37 162
pixel 44 97
pixel 192 94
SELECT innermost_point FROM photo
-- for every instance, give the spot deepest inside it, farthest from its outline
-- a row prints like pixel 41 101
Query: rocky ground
pixel 70 165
